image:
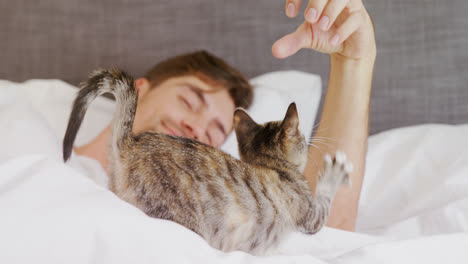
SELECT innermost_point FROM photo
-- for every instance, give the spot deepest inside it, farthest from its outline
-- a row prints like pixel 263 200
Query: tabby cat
pixel 243 205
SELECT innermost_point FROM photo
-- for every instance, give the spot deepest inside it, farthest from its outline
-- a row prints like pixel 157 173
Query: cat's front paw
pixel 336 170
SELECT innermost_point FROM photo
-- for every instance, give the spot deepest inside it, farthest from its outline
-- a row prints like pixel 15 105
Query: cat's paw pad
pixel 338 168
pixel 328 160
pixel 343 167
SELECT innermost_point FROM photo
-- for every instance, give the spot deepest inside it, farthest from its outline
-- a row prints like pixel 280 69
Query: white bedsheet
pixel 413 208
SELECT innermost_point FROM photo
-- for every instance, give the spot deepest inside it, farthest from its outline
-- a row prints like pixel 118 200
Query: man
pixel 198 103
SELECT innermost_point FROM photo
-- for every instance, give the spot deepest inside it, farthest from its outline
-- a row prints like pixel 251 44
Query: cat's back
pixel 162 148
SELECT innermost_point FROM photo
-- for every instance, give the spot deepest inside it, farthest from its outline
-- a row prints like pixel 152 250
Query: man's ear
pixel 142 85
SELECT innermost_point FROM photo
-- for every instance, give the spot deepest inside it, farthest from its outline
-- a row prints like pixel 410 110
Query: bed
pixel 414 202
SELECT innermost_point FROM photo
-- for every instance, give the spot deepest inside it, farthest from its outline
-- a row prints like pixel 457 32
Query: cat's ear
pixel 243 123
pixel 291 120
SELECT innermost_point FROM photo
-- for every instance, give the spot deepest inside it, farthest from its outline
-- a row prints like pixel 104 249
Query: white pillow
pixel 53 99
pixel 272 95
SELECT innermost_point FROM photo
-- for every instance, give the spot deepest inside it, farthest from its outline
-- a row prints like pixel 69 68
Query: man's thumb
pixel 291 43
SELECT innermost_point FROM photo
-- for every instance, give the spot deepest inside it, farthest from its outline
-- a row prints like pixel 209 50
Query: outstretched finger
pixel 331 12
pixel 349 26
pixel 314 10
pixel 291 43
pixel 292 7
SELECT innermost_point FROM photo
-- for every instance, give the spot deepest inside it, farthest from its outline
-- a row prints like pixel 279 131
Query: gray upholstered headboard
pixel 421 72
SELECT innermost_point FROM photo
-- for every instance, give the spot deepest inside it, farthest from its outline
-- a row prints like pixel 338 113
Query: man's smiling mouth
pixel 170 131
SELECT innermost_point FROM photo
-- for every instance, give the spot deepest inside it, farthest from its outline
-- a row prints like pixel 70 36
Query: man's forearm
pixel 344 126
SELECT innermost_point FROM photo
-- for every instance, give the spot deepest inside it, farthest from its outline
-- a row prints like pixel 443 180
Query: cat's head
pixel 273 141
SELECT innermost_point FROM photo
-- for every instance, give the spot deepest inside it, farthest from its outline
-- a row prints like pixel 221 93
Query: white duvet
pixel 413 207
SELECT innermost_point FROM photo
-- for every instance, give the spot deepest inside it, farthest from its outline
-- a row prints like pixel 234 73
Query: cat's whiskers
pixel 318 130
pixel 315 126
pixel 320 141
pixel 313 138
pixel 315 146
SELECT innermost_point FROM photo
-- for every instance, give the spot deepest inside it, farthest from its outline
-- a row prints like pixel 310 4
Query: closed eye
pixel 186 102
pixel 193 99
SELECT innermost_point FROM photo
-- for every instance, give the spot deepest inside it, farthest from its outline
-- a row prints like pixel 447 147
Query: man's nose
pixel 192 130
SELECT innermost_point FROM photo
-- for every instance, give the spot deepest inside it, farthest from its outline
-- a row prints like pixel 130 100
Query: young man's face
pixel 184 106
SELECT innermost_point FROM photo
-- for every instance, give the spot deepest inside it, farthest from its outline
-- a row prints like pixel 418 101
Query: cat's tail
pixel 114 81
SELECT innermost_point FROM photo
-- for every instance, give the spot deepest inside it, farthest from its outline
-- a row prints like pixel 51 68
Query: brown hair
pixel 208 68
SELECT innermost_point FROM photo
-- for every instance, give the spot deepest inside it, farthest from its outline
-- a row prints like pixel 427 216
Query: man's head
pixel 192 95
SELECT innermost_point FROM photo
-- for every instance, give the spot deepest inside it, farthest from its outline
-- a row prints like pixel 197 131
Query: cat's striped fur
pixel 235 205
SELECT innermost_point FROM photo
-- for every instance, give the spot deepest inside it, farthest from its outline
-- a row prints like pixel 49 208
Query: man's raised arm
pixel 344 30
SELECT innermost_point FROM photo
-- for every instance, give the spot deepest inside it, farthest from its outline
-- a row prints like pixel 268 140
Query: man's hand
pixel 335 27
